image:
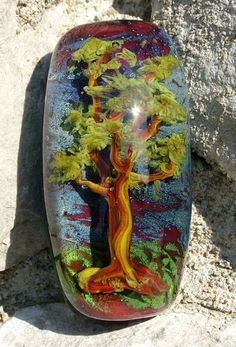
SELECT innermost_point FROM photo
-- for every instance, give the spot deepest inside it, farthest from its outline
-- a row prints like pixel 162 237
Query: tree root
pixel 112 279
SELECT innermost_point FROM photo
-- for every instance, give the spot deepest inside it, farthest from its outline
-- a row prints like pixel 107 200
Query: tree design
pixel 116 132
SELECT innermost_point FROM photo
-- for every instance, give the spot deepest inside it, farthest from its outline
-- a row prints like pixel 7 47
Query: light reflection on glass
pixel 136 111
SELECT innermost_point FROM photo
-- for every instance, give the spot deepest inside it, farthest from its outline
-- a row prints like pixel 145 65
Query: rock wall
pixel 204 32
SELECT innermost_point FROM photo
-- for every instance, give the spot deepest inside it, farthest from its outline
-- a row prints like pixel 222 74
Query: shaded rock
pixel 31 282
pixel 57 325
pixel 204 32
pixel 136 8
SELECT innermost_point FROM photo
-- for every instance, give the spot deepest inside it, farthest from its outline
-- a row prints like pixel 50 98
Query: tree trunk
pixel 122 236
pixel 123 272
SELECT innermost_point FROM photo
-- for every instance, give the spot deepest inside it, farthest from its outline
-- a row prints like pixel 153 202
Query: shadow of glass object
pixel 61 319
pixel 29 234
pixel 136 8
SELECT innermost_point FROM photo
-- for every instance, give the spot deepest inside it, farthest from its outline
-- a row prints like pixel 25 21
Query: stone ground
pixel 32 307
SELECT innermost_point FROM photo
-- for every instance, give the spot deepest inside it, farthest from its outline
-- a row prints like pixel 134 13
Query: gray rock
pixel 204 32
pixel 56 325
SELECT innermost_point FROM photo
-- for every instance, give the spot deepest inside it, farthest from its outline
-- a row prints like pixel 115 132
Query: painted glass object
pixel 117 168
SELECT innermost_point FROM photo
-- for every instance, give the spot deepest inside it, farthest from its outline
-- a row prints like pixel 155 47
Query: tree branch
pixel 115 116
pixel 102 166
pixel 114 155
pixel 136 178
pixel 92 82
pixel 120 165
pixel 96 188
pixel 152 128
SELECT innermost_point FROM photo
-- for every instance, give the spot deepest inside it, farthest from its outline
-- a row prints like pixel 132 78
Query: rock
pixel 56 325
pixel 30 12
pixel 204 32
pixel 28 35
pixel 32 281
pixel 136 8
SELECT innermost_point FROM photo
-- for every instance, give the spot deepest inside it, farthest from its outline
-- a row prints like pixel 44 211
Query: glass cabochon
pixel 117 168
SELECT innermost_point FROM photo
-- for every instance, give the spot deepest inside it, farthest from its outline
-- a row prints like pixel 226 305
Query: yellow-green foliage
pixel 94 48
pixel 77 122
pixel 165 105
pixel 158 88
pixel 99 135
pixel 159 67
pixel 96 71
pixel 75 119
pixel 177 151
pixel 164 150
pixel 167 109
pixel 130 90
pixel 139 92
pixel 128 56
pixel 118 93
pixel 66 167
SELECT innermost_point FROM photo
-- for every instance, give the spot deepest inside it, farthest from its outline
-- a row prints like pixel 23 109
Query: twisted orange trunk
pixel 122 238
pixel 122 273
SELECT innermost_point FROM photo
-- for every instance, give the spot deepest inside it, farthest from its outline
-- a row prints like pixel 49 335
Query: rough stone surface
pixel 30 12
pixel 55 325
pixel 204 32
pixel 205 309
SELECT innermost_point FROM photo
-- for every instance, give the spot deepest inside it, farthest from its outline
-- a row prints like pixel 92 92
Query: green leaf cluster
pixel 142 301
pixel 99 135
pixel 140 94
pixel 169 269
pixel 122 93
pixel 66 166
pixel 94 48
pixel 164 150
pixel 160 67
pixel 79 254
pixel 168 110
pixel 160 260
pixel 88 136
pixel 89 299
